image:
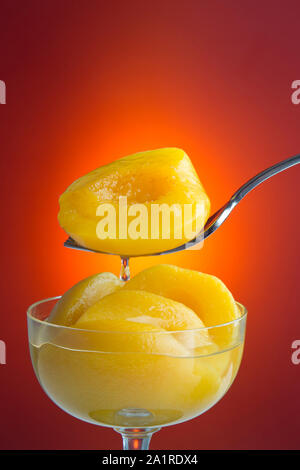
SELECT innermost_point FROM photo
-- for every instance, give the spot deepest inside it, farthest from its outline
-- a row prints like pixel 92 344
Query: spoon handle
pixel 262 176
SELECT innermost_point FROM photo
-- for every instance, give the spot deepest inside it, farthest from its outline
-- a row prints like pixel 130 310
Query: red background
pixel 89 82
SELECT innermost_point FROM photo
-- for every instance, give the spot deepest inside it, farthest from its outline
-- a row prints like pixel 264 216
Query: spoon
pixel 216 220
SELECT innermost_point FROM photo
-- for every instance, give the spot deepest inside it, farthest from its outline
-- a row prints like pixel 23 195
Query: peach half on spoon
pixel 145 203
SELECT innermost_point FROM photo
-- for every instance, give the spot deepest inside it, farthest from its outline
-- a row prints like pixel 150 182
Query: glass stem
pixel 125 271
pixel 136 439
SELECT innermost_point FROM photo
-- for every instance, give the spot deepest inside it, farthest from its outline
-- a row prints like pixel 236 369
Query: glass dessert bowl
pixel 134 381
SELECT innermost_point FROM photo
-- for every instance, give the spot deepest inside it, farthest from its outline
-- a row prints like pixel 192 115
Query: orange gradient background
pixel 89 82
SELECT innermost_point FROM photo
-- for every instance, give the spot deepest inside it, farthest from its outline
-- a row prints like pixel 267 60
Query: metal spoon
pixel 216 220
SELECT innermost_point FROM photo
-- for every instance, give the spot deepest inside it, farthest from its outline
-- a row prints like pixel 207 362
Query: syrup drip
pixel 125 271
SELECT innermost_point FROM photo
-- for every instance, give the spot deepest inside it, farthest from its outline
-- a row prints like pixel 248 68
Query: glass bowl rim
pixel 63 327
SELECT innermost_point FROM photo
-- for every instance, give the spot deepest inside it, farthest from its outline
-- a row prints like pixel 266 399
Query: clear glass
pixel 134 382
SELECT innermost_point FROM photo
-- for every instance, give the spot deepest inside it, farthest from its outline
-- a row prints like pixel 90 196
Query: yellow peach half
pixel 131 310
pixel 203 293
pixel 149 183
pixel 81 296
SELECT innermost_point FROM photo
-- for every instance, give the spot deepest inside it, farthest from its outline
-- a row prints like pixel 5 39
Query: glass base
pixel 136 439
pixel 133 424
